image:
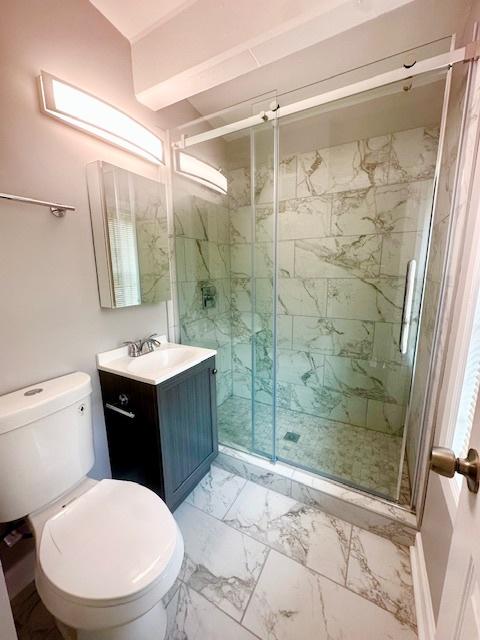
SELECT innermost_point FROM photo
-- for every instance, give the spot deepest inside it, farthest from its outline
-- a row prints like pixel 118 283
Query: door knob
pixel 444 462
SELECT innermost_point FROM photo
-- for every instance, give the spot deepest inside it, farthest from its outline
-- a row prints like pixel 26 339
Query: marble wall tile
pixel 414 154
pixel 216 492
pixel 380 570
pixel 307 535
pixel 375 299
pixel 387 382
pixel 398 249
pixel 385 417
pixel 206 260
pixel 300 367
pixel 338 257
pixel 191 616
pixel 291 601
pixel 386 343
pixel 287 180
pixel 238 188
pixel 240 225
pixel 242 265
pixel 354 165
pixel 308 295
pixel 202 219
pixel 305 218
pixel 221 564
pixel 386 209
pixel 333 336
pixel 329 403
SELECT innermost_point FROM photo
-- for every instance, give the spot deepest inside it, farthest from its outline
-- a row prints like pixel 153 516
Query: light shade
pixel 88 113
pixel 200 171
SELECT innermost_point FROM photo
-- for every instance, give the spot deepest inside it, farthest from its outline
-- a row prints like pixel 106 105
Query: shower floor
pixel 362 457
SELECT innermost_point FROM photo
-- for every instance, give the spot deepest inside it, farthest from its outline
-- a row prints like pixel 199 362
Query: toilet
pixel 106 551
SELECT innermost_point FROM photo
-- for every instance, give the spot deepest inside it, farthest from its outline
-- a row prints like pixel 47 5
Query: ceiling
pixel 135 18
pixel 233 59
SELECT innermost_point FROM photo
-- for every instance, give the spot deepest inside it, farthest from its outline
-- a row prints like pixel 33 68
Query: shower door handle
pixel 407 306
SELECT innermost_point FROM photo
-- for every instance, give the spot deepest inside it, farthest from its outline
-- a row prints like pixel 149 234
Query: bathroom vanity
pixel 160 415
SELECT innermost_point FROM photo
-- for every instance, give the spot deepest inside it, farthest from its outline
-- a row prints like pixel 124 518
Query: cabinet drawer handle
pixel 129 414
pixel 214 371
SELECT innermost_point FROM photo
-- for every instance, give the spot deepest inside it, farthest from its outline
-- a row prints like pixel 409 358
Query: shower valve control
pixel 209 295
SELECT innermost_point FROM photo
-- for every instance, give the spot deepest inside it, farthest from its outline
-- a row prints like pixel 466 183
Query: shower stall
pixel 309 272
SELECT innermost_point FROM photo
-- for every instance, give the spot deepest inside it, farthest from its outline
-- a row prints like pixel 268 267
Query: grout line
pixel 267 555
pixel 348 556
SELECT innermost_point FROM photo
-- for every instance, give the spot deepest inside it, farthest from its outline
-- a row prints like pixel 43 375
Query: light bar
pixel 200 171
pixel 88 113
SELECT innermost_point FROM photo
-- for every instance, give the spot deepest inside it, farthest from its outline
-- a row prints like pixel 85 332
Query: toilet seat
pixel 108 556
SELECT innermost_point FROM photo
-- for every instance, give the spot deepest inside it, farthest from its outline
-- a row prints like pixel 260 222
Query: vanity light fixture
pixel 84 111
pixel 200 171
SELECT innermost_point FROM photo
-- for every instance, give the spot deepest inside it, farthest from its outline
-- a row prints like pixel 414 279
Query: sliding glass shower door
pixel 356 182
pixel 307 277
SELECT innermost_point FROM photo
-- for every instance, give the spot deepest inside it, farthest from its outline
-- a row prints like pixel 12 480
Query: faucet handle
pixel 133 348
pixel 153 339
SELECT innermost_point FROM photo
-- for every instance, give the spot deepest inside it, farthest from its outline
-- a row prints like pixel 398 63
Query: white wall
pixel 50 319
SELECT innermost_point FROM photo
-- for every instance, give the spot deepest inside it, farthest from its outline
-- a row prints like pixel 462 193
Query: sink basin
pixel 165 362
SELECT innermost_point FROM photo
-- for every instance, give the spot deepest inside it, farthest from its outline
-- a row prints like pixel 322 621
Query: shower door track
pixel 406 72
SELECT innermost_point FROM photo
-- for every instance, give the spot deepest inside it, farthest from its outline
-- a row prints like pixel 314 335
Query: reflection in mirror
pixel 129 221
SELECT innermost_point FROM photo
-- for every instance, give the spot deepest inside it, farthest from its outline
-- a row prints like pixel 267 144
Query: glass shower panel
pixel 264 389
pixel 356 184
pixel 224 258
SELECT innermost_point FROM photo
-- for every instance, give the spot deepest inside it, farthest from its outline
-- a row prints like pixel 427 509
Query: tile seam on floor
pixel 199 593
pixel 255 587
pixel 348 556
pixel 236 497
pixel 314 571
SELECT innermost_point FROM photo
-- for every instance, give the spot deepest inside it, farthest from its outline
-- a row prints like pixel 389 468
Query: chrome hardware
pixel 140 347
pixel 214 371
pixel 444 462
pixel 58 210
pixel 407 306
pixel 147 345
pixel 209 295
pixel 123 399
pixel 112 407
pixel 133 348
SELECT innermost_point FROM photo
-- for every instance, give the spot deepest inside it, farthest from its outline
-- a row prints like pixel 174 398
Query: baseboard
pixel 421 588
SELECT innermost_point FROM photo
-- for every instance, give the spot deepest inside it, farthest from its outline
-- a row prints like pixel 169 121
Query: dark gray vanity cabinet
pixel 162 436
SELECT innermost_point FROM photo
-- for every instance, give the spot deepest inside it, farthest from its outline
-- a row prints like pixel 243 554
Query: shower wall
pixel 202 248
pixel 350 218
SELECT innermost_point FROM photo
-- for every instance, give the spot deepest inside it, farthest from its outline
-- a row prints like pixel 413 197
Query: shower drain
pixel 291 436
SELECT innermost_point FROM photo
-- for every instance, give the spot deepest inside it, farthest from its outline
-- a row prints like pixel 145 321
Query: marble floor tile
pixel 220 563
pixel 380 570
pixel 192 617
pixel 216 491
pixel 364 458
pixel 291 601
pixel 308 535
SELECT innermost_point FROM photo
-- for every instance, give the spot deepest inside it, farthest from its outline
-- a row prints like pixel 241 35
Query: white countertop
pixel 160 365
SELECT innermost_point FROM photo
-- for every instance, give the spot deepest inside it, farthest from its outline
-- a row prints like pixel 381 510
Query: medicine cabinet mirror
pixel 130 235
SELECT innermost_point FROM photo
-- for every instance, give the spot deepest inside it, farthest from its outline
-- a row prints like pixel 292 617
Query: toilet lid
pixel 112 542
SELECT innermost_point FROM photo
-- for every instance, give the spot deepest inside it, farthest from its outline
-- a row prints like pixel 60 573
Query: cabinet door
pixel 133 440
pixel 188 429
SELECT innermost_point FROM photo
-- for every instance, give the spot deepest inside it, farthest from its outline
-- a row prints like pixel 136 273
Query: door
pixel 459 615
pixel 457 607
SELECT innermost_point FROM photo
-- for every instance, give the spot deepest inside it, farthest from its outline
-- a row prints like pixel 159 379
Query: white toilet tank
pixel 46 443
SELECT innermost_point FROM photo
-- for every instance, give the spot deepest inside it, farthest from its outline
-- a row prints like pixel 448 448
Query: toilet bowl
pixel 106 551
pixel 106 556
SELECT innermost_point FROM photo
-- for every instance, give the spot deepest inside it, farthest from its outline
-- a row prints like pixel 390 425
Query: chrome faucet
pixel 142 346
